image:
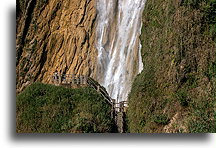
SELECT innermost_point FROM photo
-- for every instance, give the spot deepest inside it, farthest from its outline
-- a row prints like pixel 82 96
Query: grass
pixel 43 108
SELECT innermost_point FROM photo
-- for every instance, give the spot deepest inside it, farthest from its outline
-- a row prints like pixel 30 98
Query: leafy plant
pixel 161 119
pixel 182 97
pixel 202 123
pixel 211 70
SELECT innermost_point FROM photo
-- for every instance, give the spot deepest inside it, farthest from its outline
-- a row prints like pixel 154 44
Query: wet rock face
pixel 54 35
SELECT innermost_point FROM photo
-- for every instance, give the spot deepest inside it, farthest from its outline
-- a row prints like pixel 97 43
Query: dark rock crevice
pixel 27 21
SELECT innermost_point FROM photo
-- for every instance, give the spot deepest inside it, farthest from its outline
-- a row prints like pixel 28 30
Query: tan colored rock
pixel 56 35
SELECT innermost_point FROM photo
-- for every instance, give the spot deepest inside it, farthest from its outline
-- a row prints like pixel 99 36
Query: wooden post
pixel 73 79
pixel 66 78
pixel 55 78
pixel 59 78
pixel 98 88
pixel 78 79
pixel 84 80
pixel 63 78
pixel 121 106
pixel 81 79
pixel 125 105
pixel 113 109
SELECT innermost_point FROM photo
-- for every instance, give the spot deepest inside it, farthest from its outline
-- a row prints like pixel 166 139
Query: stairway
pixel 118 109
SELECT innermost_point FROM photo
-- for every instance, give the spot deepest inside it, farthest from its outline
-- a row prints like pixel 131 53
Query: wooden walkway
pixel 118 108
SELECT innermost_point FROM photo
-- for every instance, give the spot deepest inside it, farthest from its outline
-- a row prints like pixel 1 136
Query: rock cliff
pixel 54 35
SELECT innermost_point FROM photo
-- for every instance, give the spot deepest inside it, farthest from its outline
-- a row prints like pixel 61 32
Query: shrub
pixel 44 108
pixel 202 123
pixel 182 97
pixel 161 119
pixel 211 70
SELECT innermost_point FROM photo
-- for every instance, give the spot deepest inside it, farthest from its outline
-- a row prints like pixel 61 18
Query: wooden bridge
pixel 71 80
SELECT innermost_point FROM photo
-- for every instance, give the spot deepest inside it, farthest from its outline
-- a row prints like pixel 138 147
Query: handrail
pixel 82 79
pixel 117 110
pixel 101 91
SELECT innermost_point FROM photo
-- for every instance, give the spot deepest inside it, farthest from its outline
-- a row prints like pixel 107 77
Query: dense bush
pixel 175 92
pixel 161 119
pixel 203 120
pixel 43 108
pixel 208 8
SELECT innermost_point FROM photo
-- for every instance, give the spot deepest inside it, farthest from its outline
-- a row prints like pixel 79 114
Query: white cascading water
pixel 118 45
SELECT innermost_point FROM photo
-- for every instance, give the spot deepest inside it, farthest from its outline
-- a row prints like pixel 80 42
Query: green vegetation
pixel 211 70
pixel 43 108
pixel 161 119
pixel 176 90
pixel 182 97
pixel 209 14
pixel 202 119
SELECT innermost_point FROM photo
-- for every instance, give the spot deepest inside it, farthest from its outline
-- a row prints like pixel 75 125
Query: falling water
pixel 118 45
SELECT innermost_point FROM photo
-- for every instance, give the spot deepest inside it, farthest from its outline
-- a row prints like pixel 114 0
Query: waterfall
pixel 118 45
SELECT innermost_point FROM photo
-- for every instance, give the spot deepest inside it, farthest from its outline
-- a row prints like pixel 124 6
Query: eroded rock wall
pixel 54 35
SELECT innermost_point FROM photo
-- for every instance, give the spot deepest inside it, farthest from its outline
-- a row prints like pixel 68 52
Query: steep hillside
pixel 43 108
pixel 54 35
pixel 176 90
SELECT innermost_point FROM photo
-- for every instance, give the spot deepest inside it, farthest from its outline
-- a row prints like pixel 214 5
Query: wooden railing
pixel 121 106
pixel 118 108
pixel 99 89
pixel 69 79
pixel 81 80
pixel 84 80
